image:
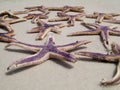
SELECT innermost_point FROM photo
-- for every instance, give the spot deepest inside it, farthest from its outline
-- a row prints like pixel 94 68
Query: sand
pixel 54 74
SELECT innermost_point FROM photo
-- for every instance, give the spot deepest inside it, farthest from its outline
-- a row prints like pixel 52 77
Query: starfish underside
pixel 45 52
pixel 45 28
pixel 104 32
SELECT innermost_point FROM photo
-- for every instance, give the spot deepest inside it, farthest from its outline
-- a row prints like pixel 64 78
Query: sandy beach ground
pixel 54 74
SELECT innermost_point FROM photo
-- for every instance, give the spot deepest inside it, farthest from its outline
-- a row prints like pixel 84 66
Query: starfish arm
pixel 99 19
pixel 63 56
pixel 56 27
pixel 9 13
pixel 115 14
pixel 116 78
pixel 35 30
pixel 104 36
pixel 6 37
pixel 29 47
pixel 83 33
pixel 113 21
pixel 8 27
pixel 72 46
pixel 71 22
pixel 16 20
pixel 31 60
pixel 55 30
pixel 114 32
pixel 90 25
pixel 99 56
pixel 79 16
pixel 43 33
pixel 58 19
pixel 37 17
pixel 77 9
pixel 115 48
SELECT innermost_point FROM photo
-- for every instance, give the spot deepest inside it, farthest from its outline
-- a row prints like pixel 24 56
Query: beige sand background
pixel 54 74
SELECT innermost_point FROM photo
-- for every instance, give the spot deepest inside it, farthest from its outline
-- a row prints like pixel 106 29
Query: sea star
pixel 44 28
pixel 6 23
pixel 63 9
pixel 36 17
pixel 6 37
pixel 70 18
pixel 45 52
pixel 104 32
pixel 101 16
pixel 109 58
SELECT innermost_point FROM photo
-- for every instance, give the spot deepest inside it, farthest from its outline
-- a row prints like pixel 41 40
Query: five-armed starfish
pixel 70 18
pixel 110 58
pixel 6 37
pixel 101 16
pixel 104 32
pixel 64 9
pixel 45 52
pixel 36 17
pixel 6 23
pixel 44 28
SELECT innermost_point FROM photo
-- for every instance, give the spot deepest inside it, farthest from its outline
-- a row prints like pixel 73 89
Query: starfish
pixel 45 52
pixel 36 17
pixel 63 9
pixel 44 28
pixel 101 16
pixel 6 23
pixel 70 18
pixel 6 37
pixel 109 58
pixel 104 32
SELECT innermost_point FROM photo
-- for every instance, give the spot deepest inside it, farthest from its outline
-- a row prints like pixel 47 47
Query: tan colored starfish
pixel 70 18
pixel 102 16
pixel 45 52
pixel 104 32
pixel 63 9
pixel 44 28
pixel 109 58
pixel 6 23
pixel 36 17
pixel 6 37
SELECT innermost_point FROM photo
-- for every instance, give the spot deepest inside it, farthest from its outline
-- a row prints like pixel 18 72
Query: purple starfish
pixel 6 23
pixel 101 16
pixel 70 18
pixel 36 17
pixel 6 37
pixel 104 32
pixel 44 52
pixel 109 58
pixel 44 28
